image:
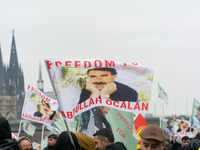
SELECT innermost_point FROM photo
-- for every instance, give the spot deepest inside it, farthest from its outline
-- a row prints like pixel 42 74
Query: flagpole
pixel 155 109
pixel 42 136
pixel 68 132
pixel 19 130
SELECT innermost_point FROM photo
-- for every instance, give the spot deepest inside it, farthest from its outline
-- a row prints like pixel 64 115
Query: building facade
pixel 11 85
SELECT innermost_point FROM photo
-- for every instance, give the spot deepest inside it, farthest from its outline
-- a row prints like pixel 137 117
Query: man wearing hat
pixel 152 138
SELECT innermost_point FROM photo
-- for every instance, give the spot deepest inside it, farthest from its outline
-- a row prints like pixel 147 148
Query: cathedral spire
pixel 13 54
pixel 40 85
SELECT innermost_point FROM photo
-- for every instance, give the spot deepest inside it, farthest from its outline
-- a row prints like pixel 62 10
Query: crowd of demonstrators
pixel 52 138
pixel 152 138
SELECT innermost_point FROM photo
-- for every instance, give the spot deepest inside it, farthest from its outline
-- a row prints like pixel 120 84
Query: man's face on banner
pixel 27 125
pixel 100 78
pixel 44 107
pixel 56 117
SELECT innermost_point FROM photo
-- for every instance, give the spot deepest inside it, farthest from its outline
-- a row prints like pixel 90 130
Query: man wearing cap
pixel 195 121
pixel 152 138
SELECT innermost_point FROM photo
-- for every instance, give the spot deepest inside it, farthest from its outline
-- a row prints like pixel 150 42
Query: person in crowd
pixel 51 142
pixel 168 129
pixel 45 111
pixel 195 120
pixel 152 137
pixel 25 143
pixel 185 141
pixel 85 142
pixel 166 145
pixel 64 142
pixel 6 141
pixel 194 144
pixel 104 140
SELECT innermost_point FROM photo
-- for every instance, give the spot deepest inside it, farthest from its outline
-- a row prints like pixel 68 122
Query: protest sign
pixel 82 84
pixel 38 107
pixel 36 146
pixel 182 127
pixel 28 127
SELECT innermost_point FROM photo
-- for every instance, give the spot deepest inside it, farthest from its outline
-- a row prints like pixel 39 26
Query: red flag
pixel 139 123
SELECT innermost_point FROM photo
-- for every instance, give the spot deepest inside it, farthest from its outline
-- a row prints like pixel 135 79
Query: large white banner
pixel 38 107
pixel 82 84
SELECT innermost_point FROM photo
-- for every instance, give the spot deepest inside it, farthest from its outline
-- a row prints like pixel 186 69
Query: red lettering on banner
pixel 109 102
pixel 87 64
pixel 134 63
pixel 29 87
pixel 58 63
pixel 121 133
pixel 32 88
pixel 95 63
pixel 63 114
pixel 43 97
pixel 91 102
pixel 81 107
pixel 77 64
pixel 124 64
pixel 129 105
pixel 77 108
pixel 85 106
pixel 68 63
pixel 109 64
pixel 98 100
pixel 145 106
pixel 47 100
pixel 49 64
pixel 123 105
pixel 137 106
pixel 69 115
pixel 114 103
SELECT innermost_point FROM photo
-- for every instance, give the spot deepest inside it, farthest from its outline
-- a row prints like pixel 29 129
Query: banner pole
pixel 19 130
pixel 42 136
pixel 68 132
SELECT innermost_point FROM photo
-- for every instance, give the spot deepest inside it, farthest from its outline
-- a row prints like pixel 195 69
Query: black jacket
pixel 116 146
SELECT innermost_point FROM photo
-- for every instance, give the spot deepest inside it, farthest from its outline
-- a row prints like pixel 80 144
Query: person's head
pixel 5 131
pixel 168 123
pixel 197 136
pixel 56 117
pixel 64 142
pixel 152 137
pixel 103 138
pixel 185 141
pixel 166 144
pixel 25 143
pixel 52 139
pixel 45 106
pixel 101 76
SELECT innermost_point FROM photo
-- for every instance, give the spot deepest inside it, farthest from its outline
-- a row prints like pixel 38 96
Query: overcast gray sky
pixel 162 34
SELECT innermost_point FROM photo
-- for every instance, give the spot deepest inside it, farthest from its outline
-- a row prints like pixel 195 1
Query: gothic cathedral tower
pixel 11 85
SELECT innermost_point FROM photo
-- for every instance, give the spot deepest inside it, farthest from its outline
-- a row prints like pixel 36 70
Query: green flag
pixel 162 94
pixel 123 127
pixel 195 119
pixel 28 127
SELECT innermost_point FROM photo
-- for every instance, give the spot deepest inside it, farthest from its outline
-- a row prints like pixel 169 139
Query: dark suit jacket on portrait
pixel 123 93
